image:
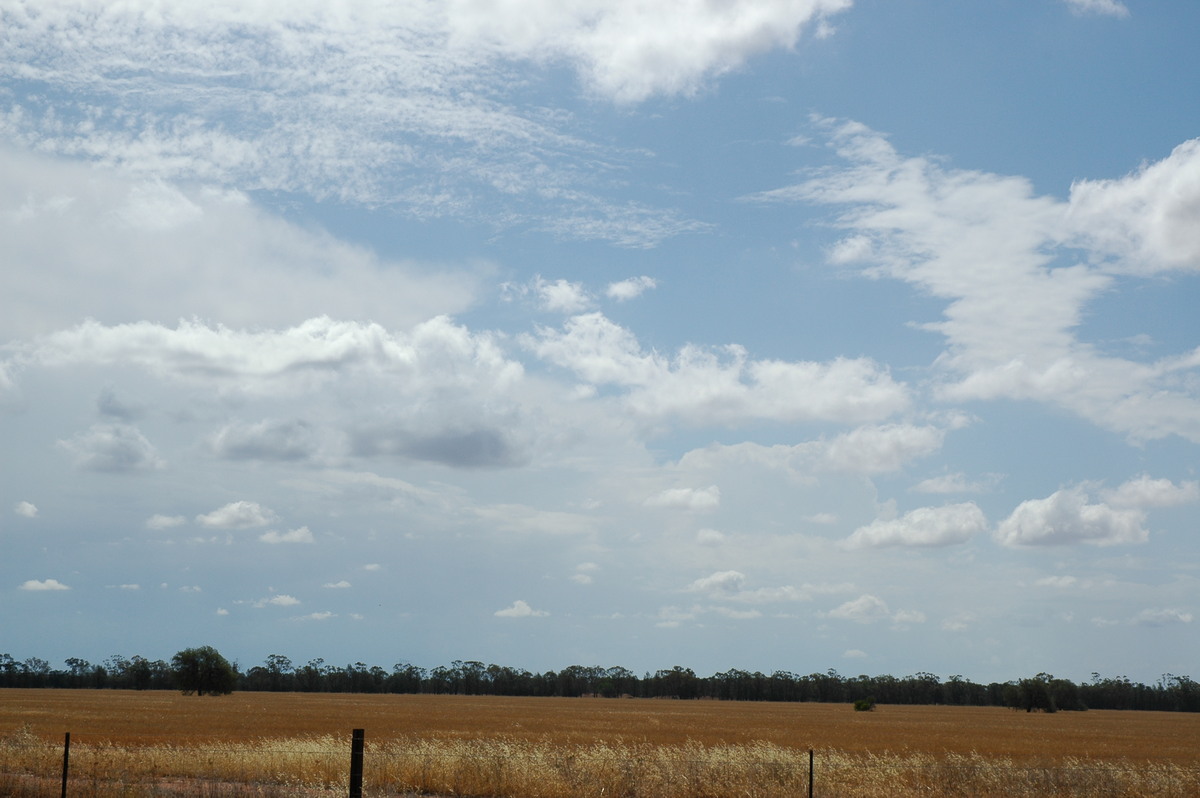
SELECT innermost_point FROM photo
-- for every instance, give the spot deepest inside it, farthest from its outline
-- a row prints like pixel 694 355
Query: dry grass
pixel 164 744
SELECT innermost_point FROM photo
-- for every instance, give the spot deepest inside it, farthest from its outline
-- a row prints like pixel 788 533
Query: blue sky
pixel 791 335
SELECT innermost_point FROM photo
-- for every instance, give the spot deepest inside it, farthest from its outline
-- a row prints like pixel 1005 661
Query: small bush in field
pixel 864 705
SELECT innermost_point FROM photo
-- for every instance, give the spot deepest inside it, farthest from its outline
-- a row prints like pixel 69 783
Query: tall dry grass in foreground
pixel 507 767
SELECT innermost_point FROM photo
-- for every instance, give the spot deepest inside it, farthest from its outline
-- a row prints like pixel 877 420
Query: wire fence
pixel 350 766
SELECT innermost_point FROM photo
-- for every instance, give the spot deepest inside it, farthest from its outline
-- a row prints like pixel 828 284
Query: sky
pixel 771 335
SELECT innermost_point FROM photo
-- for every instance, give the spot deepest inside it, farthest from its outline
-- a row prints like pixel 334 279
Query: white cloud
pixel 88 259
pixel 129 587
pixel 281 600
pixel 237 515
pixel 959 622
pixel 318 616
pixel 854 653
pixel 692 499
pixel 902 618
pixel 870 609
pixel 520 609
pixel 630 50
pixel 880 449
pixel 1057 581
pixel 1065 517
pixel 785 593
pixel 583 573
pixel 1110 8
pixel 26 509
pixel 719 386
pixel 1146 493
pixel 722 582
pixel 342 585
pixel 864 609
pixel 1161 617
pixel 437 393
pixel 301 535
pixel 956 483
pixel 924 526
pixel 632 288
pixel 392 81
pixel 159 521
pixel 1144 221
pixel 266 440
pixel 737 615
pixel 44 584
pixel 221 611
pixel 561 296
pixel 114 448
pixel 1006 263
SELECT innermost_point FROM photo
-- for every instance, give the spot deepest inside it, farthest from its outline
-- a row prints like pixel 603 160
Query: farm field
pixel 555 748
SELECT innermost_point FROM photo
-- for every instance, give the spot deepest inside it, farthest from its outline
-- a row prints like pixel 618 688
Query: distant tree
pixel 1031 694
pixel 865 704
pixel 203 671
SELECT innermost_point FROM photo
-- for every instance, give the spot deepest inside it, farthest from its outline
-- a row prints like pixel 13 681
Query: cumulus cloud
pixel 731 586
pixel 437 392
pixel 1161 617
pixel 1146 493
pixel 26 509
pixel 341 585
pixel 870 609
pixel 107 404
pixel 281 600
pixel 159 521
pixel 561 296
pixel 629 51
pixel 1006 263
pixel 924 526
pixel 266 440
pixel 436 356
pixel 693 499
pixel 1061 582
pixel 1065 518
pixel 112 448
pixel 1110 8
pixel 880 449
pixel 720 386
pixel 1068 516
pixel 301 535
pixel 43 584
pixel 625 290
pixel 722 582
pixel 237 515
pixel 864 609
pixel 1143 221
pixel 520 609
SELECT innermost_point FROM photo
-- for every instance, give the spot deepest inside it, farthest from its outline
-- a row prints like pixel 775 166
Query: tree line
pixel 1042 692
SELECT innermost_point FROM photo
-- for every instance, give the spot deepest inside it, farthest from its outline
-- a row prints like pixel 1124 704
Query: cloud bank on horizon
pixel 545 333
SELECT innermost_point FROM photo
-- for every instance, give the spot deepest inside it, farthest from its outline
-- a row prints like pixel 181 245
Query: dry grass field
pixel 163 743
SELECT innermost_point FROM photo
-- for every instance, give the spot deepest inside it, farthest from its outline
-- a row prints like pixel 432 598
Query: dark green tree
pixel 203 671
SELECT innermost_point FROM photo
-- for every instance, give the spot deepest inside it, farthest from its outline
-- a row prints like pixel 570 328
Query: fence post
pixel 356 763
pixel 810 773
pixel 66 762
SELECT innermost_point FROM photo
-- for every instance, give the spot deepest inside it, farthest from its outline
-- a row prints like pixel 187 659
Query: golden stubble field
pixel 552 748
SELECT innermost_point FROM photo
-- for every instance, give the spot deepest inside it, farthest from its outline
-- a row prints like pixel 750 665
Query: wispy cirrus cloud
pixel 406 105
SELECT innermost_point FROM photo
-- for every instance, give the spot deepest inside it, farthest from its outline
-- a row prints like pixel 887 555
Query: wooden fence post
pixel 810 773
pixel 66 763
pixel 356 763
